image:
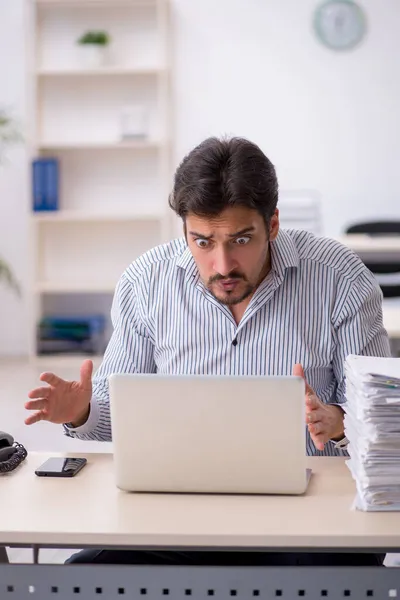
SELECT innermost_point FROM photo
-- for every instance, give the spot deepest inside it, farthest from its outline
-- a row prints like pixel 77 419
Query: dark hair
pixel 221 173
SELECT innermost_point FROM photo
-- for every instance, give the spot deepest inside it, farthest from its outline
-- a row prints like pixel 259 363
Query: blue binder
pixel 45 184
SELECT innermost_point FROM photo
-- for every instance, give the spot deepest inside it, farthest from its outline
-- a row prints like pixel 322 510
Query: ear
pixel 274 226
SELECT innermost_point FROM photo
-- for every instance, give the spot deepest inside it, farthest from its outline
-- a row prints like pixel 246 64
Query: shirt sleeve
pixel 130 350
pixel 359 328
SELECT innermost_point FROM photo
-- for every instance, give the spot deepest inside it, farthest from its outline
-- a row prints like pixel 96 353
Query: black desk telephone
pixel 11 453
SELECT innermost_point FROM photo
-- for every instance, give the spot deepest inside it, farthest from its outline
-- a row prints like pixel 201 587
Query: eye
pixel 201 243
pixel 242 241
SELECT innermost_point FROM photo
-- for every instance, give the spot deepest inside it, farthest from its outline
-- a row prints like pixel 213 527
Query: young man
pixel 235 296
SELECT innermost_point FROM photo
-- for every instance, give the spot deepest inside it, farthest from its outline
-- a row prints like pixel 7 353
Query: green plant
pixel 8 277
pixel 9 134
pixel 100 38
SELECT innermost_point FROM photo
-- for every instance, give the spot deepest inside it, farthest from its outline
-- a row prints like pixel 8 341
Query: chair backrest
pixel 300 210
pixel 387 272
pixel 380 228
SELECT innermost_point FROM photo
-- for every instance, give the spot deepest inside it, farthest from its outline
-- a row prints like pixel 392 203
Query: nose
pixel 223 262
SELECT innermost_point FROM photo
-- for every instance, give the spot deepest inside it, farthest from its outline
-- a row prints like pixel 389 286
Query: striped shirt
pixel 318 304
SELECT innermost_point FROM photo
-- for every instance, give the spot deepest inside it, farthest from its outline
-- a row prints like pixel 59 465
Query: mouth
pixel 228 285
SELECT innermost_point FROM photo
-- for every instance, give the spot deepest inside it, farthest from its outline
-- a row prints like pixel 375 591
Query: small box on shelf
pixel 134 122
pixel 71 334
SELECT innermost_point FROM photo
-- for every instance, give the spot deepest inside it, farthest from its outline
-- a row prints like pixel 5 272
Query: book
pixel 45 184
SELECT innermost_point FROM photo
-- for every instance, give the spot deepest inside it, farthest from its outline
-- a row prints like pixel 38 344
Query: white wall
pixel 14 180
pixel 328 121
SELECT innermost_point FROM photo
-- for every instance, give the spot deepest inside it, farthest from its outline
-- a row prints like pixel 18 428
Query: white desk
pixel 391 319
pixel 371 244
pixel 88 510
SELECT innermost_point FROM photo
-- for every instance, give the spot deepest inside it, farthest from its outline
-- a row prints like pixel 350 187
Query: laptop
pixel 209 434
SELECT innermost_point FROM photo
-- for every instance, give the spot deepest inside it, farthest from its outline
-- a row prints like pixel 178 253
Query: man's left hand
pixel 324 421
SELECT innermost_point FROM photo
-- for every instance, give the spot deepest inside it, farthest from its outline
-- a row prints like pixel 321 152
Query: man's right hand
pixel 62 401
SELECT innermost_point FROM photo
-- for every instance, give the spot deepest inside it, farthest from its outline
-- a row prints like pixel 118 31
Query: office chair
pixel 387 272
pixel 379 228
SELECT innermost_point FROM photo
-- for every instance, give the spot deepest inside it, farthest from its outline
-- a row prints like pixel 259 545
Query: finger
pixel 37 404
pixel 86 374
pixel 51 379
pixel 298 371
pixel 35 417
pixel 314 416
pixel 43 392
pixel 319 444
pixel 316 428
pixel 318 440
pixel 312 402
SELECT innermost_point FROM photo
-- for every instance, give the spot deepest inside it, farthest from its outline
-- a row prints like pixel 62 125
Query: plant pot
pixel 92 56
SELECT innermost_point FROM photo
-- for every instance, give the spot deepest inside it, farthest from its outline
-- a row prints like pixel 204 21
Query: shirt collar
pixel 284 253
pixel 187 262
pixel 283 256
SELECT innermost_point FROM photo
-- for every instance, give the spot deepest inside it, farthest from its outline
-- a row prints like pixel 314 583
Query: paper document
pixel 372 426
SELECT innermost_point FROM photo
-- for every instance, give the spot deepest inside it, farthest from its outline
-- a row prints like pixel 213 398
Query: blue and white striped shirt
pixel 317 305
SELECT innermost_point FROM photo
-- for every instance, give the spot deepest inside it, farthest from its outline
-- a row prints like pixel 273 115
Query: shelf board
pixel 77 216
pixel 75 287
pixel 124 145
pixel 64 360
pixel 101 71
pixel 95 3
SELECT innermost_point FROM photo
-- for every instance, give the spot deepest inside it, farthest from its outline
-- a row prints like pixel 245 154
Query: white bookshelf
pixel 113 191
pixel 94 3
pixel 100 72
pixel 65 366
pixel 56 146
pixel 70 216
pixel 78 287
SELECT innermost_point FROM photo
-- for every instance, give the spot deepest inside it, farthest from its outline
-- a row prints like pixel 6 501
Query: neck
pixel 267 267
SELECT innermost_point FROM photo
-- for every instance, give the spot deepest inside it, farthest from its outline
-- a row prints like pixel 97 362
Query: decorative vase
pixel 92 56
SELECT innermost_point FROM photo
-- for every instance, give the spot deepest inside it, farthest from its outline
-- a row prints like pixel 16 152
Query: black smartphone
pixel 61 467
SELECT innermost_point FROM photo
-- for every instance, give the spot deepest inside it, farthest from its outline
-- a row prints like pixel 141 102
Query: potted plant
pixel 92 47
pixel 7 277
pixel 9 134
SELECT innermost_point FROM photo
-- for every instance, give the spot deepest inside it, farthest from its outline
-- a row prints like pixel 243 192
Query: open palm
pixel 61 401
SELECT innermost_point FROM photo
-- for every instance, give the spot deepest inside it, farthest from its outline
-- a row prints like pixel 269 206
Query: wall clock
pixel 340 24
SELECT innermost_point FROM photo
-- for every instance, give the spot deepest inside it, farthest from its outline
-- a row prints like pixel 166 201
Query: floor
pixel 17 377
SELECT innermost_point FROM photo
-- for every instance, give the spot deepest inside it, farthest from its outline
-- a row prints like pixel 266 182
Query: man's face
pixel 231 251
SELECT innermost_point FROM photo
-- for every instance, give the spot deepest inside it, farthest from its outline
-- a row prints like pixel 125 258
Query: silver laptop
pixel 209 434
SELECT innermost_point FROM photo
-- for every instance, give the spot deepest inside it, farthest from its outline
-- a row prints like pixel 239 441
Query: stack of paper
pixel 372 426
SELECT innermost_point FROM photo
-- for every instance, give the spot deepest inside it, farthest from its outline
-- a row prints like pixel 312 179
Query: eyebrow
pixel 231 235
